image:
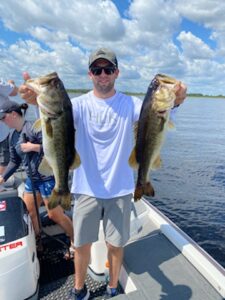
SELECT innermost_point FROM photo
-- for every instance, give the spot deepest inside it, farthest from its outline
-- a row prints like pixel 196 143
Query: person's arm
pixel 14 92
pixel 10 170
pixel 8 88
pixel 30 140
pixel 28 147
pixel 15 159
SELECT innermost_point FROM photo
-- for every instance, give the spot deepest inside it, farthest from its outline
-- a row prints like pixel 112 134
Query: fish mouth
pixel 161 113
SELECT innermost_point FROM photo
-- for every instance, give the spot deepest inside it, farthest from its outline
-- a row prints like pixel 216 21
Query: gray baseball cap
pixel 105 54
pixel 7 107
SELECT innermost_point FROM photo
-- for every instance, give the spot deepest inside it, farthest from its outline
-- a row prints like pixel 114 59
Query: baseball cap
pixel 7 107
pixel 105 54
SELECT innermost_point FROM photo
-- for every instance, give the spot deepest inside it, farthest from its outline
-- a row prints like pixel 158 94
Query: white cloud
pixel 193 47
pixel 59 35
pixel 210 13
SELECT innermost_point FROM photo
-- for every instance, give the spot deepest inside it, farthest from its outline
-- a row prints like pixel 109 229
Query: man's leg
pixel 81 260
pixel 115 258
pixel 86 218
pixel 116 223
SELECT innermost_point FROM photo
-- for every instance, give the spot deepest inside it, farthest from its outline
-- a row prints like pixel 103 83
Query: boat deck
pixel 57 274
pixel 160 271
pixel 157 269
pixel 153 267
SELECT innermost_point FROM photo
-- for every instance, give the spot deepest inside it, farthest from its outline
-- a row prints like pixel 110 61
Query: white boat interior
pixel 160 263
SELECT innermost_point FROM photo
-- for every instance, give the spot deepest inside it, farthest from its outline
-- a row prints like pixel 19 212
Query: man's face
pixel 103 75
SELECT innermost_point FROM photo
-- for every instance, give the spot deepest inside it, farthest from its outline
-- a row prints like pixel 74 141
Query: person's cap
pixel 103 53
pixel 7 107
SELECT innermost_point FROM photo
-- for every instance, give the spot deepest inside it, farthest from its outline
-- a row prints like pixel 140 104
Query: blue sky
pixel 184 40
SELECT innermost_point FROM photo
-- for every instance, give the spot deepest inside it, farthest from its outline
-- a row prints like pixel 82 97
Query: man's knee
pixel 113 249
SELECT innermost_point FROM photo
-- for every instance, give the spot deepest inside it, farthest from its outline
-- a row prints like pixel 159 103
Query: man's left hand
pixel 181 94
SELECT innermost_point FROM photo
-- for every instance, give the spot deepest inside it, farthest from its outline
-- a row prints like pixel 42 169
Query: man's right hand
pixel 26 93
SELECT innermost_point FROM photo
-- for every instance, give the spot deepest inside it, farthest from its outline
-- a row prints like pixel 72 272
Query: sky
pixel 183 39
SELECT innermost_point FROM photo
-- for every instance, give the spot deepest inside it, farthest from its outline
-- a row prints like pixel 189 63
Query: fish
pixel 150 131
pixel 58 135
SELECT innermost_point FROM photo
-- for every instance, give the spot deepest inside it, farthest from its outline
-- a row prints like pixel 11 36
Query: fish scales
pixel 150 132
pixel 58 135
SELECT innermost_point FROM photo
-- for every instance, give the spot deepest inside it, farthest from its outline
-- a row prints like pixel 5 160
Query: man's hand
pixel 26 93
pixel 181 94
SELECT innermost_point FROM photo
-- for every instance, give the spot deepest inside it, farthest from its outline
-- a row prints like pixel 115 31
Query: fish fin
pixel 76 162
pixel 37 125
pixel 54 199
pixel 44 168
pixel 157 163
pixel 49 129
pixel 66 201
pixel 132 159
pixel 170 125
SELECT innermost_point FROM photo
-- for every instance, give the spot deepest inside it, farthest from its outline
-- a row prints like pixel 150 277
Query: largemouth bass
pixel 58 135
pixel 150 131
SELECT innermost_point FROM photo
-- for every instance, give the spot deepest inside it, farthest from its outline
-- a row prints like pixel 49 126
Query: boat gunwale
pixel 204 263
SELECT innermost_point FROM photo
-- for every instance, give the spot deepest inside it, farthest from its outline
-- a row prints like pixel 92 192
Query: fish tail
pixel 148 189
pixel 138 193
pixel 54 199
pixel 141 190
pixel 66 201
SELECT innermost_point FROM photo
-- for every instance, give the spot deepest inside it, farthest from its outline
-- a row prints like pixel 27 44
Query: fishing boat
pixel 161 262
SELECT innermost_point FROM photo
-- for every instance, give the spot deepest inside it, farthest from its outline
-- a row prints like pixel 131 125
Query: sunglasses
pixel 96 71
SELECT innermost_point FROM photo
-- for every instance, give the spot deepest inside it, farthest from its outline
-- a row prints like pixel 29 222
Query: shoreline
pixel 82 91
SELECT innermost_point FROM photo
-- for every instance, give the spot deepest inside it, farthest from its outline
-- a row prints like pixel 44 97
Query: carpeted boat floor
pixel 57 273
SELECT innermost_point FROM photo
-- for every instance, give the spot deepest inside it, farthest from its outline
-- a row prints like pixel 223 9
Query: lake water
pixel 190 185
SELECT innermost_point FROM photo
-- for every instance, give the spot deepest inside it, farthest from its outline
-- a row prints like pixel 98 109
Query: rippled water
pixel 190 185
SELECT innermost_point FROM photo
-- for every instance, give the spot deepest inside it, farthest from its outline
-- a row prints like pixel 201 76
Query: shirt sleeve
pixel 15 160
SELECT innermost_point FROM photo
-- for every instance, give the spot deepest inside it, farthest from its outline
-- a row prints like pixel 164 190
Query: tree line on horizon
pixel 82 91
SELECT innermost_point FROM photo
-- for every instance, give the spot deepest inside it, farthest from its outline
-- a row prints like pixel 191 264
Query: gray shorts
pixel 115 213
pixel 4 152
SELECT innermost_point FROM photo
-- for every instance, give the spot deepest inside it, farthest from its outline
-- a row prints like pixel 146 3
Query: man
pixel 104 183
pixel 6 89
